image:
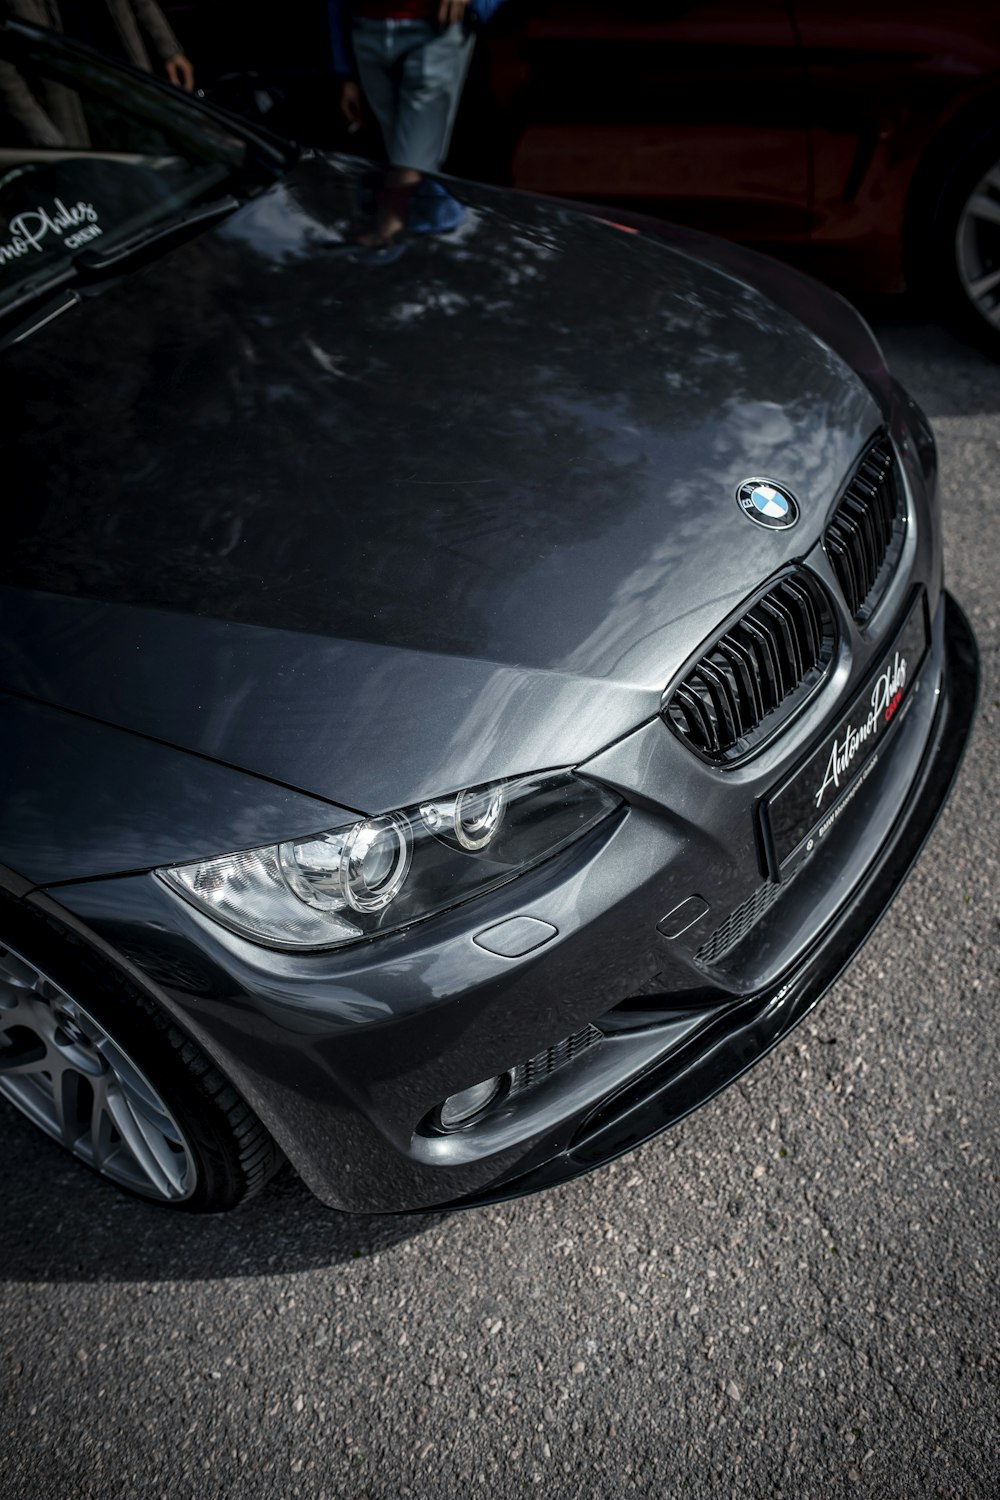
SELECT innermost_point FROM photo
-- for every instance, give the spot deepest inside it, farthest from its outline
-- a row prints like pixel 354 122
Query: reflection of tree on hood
pixel 486 408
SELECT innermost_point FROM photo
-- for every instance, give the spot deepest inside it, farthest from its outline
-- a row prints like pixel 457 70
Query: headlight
pixel 380 874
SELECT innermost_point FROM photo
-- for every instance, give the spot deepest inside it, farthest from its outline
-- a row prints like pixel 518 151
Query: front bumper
pixel 745 1031
pixel 345 1056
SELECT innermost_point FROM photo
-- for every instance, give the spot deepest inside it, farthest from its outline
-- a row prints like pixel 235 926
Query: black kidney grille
pixel 866 532
pixel 760 670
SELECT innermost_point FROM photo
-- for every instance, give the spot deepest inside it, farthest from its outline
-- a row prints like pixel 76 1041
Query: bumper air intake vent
pixel 741 922
pixel 865 537
pixel 527 1074
pixel 764 667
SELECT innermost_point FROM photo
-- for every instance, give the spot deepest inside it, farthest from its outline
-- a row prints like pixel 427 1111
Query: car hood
pixel 379 527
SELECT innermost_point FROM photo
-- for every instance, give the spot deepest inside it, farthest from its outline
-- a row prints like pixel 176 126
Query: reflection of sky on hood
pixel 525 438
pixel 745 438
pixel 278 227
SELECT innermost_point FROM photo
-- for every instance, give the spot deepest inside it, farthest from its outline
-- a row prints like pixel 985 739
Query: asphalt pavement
pixel 794 1294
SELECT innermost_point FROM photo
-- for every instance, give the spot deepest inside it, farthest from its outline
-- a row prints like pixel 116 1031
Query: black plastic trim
pixel 756 672
pixel 749 1028
pixel 864 536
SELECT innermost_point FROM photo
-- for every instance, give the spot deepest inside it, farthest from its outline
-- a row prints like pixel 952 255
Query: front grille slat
pixel 852 560
pixel 865 535
pixel 767 663
pixel 744 670
pixel 697 725
pixel 757 671
pixel 865 522
pixel 808 616
pixel 787 640
pixel 727 717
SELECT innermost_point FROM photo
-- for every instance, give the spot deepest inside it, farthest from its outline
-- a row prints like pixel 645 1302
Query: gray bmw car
pixel 461 708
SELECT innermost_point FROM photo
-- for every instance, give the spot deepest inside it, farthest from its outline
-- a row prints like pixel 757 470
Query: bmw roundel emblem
pixel 767 503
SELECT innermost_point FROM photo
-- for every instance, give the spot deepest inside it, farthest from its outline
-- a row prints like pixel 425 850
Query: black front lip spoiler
pixel 747 1030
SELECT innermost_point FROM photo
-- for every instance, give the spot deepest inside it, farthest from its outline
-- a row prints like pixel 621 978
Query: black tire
pixel 229 1152
pixel 957 247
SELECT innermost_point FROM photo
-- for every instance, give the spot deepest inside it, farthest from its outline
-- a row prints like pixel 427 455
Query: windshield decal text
pixel 30 230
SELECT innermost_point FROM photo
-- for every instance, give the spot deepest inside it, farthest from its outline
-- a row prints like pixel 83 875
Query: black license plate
pixel 814 798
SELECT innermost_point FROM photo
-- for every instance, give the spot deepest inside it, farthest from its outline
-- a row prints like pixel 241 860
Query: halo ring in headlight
pixel 477 816
pixel 380 874
pixel 375 862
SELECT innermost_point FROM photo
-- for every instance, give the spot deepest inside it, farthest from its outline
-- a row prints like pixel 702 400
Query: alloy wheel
pixel 68 1075
pixel 977 247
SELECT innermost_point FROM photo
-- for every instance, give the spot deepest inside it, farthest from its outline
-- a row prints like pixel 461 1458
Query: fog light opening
pixel 462 1108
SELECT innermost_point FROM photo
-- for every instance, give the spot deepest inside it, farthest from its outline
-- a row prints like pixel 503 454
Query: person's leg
pixel 379 71
pixel 379 48
pixel 433 72
pixel 412 74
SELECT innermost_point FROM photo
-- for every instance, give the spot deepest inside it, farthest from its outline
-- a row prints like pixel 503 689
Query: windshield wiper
pixel 13 329
pixel 23 302
pixel 94 262
pixel 21 315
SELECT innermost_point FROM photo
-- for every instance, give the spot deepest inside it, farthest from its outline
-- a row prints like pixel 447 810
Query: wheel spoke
pixel 25 1053
pixel 67 1102
pixel 99 1137
pixel 983 208
pixel 153 1118
pixel 159 1132
pixel 172 1163
pixel 16 1005
pixel 71 1078
pixel 10 995
pixel 16 972
pixel 144 1103
pixel 134 1139
pixel 984 284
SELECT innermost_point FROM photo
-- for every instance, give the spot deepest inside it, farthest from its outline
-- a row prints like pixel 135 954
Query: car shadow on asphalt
pixel 60 1222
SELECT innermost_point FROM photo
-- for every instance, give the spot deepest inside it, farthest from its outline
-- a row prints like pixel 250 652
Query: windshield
pixel 91 154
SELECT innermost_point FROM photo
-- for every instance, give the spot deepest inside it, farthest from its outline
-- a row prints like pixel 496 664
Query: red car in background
pixel 861 141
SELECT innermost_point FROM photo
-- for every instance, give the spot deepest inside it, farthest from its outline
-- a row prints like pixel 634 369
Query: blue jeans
pixel 412 74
